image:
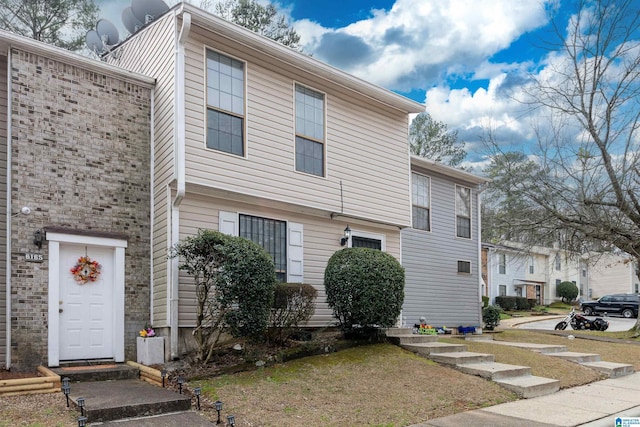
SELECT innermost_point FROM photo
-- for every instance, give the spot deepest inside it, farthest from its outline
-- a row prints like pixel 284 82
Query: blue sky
pixel 464 59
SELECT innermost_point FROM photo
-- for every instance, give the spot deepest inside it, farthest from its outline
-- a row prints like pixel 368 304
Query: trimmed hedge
pixel 491 317
pixel 365 288
pixel 515 303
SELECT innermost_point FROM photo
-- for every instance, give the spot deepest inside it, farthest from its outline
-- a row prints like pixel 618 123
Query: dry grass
pixel 377 385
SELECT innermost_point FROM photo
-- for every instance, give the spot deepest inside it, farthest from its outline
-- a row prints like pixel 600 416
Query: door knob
pixel 60 310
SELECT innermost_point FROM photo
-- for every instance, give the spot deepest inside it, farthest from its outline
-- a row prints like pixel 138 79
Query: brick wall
pixel 80 160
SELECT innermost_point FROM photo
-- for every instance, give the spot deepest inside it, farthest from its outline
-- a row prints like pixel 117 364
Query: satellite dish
pixel 146 11
pixel 108 32
pixel 130 22
pixel 94 42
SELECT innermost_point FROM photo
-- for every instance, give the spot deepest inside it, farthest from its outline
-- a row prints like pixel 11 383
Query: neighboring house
pixel 258 140
pixel 612 274
pixel 76 134
pixel 513 269
pixel 441 251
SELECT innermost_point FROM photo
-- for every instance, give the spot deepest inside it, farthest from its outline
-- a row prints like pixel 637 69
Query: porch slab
pixel 114 400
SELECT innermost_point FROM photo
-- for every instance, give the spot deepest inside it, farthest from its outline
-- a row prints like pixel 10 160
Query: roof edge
pixel 432 165
pixel 11 40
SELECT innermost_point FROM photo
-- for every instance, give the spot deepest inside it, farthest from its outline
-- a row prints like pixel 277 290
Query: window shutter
pixel 228 223
pixel 295 251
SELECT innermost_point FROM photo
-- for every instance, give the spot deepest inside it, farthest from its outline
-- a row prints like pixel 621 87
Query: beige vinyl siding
pixel 152 52
pixel 321 240
pixel 3 210
pixel 366 143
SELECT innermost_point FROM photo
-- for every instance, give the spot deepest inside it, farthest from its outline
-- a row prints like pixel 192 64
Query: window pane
pixel 463 201
pixel 225 132
pixel 272 236
pixel 309 156
pixel 420 189
pixel 421 218
pixel 464 267
pixel 365 242
pixel 309 113
pixel 463 227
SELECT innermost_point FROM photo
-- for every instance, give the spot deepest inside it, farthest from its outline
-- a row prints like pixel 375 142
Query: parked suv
pixel 624 304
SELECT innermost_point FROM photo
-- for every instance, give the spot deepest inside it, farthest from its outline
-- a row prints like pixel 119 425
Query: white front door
pixel 86 321
pixel 86 310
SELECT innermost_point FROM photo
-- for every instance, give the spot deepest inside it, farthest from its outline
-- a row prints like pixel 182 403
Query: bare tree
pixel 583 186
pixel 62 23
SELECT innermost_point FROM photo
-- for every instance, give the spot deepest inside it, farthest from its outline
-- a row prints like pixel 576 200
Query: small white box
pixel 150 350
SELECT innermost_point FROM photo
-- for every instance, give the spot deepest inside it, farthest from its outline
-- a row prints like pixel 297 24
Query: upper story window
pixel 464 267
pixel 502 264
pixel 557 262
pixel 463 212
pixel 531 265
pixel 421 203
pixel 225 103
pixel 309 131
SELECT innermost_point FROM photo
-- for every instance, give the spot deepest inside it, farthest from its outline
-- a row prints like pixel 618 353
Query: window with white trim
pixel 271 234
pixel 225 103
pixel 557 262
pixel 531 265
pixel 464 267
pixel 502 264
pixel 463 212
pixel 310 131
pixel 420 186
pixel 502 290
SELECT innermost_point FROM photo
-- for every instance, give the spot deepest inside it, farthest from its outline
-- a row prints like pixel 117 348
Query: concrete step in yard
pixel 461 358
pixel 540 348
pixel 412 339
pixel 611 369
pixel 494 370
pixel 428 348
pixel 529 386
pixel 97 372
pixel 577 357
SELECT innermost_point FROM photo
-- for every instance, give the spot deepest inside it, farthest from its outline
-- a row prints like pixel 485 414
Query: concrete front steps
pixel 512 377
pixel 591 360
pixel 113 395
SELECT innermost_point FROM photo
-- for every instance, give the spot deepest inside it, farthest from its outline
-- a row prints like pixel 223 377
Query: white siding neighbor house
pixel 612 274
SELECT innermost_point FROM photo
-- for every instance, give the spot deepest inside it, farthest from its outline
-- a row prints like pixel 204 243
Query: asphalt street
pixel 616 324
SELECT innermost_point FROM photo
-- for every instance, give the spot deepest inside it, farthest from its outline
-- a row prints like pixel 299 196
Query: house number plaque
pixel 31 257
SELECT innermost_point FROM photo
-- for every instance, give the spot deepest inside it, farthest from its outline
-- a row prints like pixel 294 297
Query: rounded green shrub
pixel 491 317
pixel 365 288
pixel 568 291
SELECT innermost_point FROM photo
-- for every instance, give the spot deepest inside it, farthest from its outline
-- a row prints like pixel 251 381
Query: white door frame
pixel 119 245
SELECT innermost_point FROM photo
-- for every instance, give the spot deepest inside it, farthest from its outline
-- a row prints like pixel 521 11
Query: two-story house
pixel 612 273
pixel 258 140
pixel 441 250
pixel 75 157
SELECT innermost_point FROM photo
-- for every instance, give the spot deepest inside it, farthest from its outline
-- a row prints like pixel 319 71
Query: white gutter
pixel 479 215
pixel 8 238
pixel 179 149
pixel 152 195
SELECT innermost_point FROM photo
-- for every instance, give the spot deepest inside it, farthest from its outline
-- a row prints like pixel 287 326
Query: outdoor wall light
pixel 66 389
pixel 180 382
pixel 163 374
pixel 347 235
pixel 218 409
pixel 80 402
pixel 232 420
pixel 197 392
pixel 38 238
pixel 82 421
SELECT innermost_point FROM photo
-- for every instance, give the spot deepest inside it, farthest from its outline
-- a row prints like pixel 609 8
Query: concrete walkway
pixel 595 405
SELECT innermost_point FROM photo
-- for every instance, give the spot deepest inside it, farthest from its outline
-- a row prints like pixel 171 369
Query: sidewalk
pixel 595 405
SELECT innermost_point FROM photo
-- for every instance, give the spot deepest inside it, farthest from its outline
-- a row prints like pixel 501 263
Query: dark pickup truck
pixel 622 304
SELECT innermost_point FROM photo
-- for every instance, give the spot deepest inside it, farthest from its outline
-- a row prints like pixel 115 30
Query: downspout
pixel 179 149
pixel 479 191
pixel 152 196
pixel 8 213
